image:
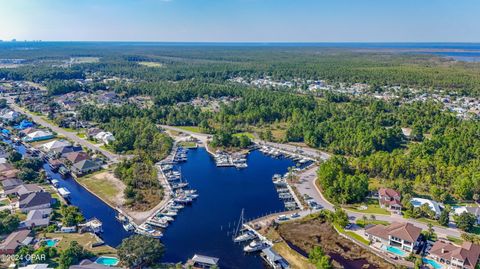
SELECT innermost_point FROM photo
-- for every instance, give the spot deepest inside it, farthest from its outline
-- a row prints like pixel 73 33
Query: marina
pixel 181 224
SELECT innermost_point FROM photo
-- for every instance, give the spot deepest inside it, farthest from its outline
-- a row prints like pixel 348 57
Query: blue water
pixel 51 242
pixel 395 250
pixel 203 227
pixel 90 206
pixel 107 261
pixel 433 263
pixel 206 226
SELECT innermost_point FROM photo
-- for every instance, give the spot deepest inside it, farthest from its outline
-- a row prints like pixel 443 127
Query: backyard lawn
pixel 370 207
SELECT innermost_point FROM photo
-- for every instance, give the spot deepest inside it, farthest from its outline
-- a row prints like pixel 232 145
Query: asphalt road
pixel 70 135
pixel 307 186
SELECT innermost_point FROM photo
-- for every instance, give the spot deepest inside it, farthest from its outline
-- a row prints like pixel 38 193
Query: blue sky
pixel 242 20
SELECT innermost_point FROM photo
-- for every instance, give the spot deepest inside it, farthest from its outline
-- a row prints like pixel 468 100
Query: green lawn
pixel 106 189
pixel 194 129
pixel 455 240
pixel 372 205
pixel 352 235
pixel 249 135
pixel 362 223
pixel 187 144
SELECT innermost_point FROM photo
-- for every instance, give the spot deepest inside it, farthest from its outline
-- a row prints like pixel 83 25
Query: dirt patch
pixel 106 186
pixel 303 235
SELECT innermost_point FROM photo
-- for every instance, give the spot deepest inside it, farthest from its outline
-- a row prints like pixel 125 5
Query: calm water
pixel 203 227
pixel 206 226
pixel 90 206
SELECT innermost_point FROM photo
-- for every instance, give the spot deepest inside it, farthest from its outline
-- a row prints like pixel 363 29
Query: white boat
pixel 177 206
pixel 169 213
pixel 145 229
pixel 246 236
pixel 55 182
pixel 128 227
pixel 255 245
pixel 64 192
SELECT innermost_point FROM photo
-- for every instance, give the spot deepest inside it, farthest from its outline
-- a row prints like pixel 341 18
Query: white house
pixel 105 137
pixel 433 205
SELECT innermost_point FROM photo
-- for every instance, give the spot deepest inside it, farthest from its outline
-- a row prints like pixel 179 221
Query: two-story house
pixel 390 199
pixel 452 256
pixel 401 235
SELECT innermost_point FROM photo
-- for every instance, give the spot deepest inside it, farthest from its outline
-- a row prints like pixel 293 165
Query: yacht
pixel 147 230
pixel 254 246
pixel 246 236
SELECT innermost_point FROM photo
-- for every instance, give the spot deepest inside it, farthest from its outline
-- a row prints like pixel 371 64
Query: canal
pixel 206 226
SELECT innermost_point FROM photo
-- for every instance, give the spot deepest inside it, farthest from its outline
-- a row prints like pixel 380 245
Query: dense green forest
pixel 439 159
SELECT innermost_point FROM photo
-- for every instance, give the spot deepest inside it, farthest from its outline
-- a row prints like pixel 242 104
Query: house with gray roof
pixel 35 200
pixel 37 218
pixel 85 167
pixel 13 241
pixel 11 183
pixel 24 189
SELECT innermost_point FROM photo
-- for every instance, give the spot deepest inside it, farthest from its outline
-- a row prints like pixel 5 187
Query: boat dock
pixel 178 196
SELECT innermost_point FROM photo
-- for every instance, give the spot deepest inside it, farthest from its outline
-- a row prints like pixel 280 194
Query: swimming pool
pixel 433 263
pixel 395 250
pixel 107 261
pixel 51 242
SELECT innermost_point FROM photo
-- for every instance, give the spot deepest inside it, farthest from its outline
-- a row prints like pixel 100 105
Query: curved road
pixel 307 186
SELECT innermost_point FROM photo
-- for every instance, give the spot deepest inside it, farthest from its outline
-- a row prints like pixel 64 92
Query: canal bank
pixel 206 227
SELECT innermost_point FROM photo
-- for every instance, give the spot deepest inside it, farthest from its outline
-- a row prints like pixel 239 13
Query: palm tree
pixel 364 218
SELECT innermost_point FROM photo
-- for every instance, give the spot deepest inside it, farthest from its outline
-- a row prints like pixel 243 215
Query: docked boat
pixel 147 230
pixel 64 192
pixel 183 200
pixel 128 227
pixel 246 236
pixel 158 223
pixel 255 245
pixel 54 182
pixel 179 185
pixel 169 213
pixel 177 206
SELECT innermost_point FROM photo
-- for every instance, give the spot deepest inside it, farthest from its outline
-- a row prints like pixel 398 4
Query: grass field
pixel 249 135
pixel 104 185
pixel 187 144
pixel 151 64
pixel 372 208
pixel 351 234
pixel 362 223
pixel 194 129
pixel 84 240
pixel 455 240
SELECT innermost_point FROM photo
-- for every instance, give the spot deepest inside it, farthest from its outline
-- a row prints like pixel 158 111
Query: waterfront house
pixel 47 147
pixel 37 218
pixel 13 241
pixel 203 262
pixel 38 136
pixel 390 199
pixel 75 157
pixel 85 167
pixel 405 236
pixel 23 189
pixel 36 200
pixel 452 256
